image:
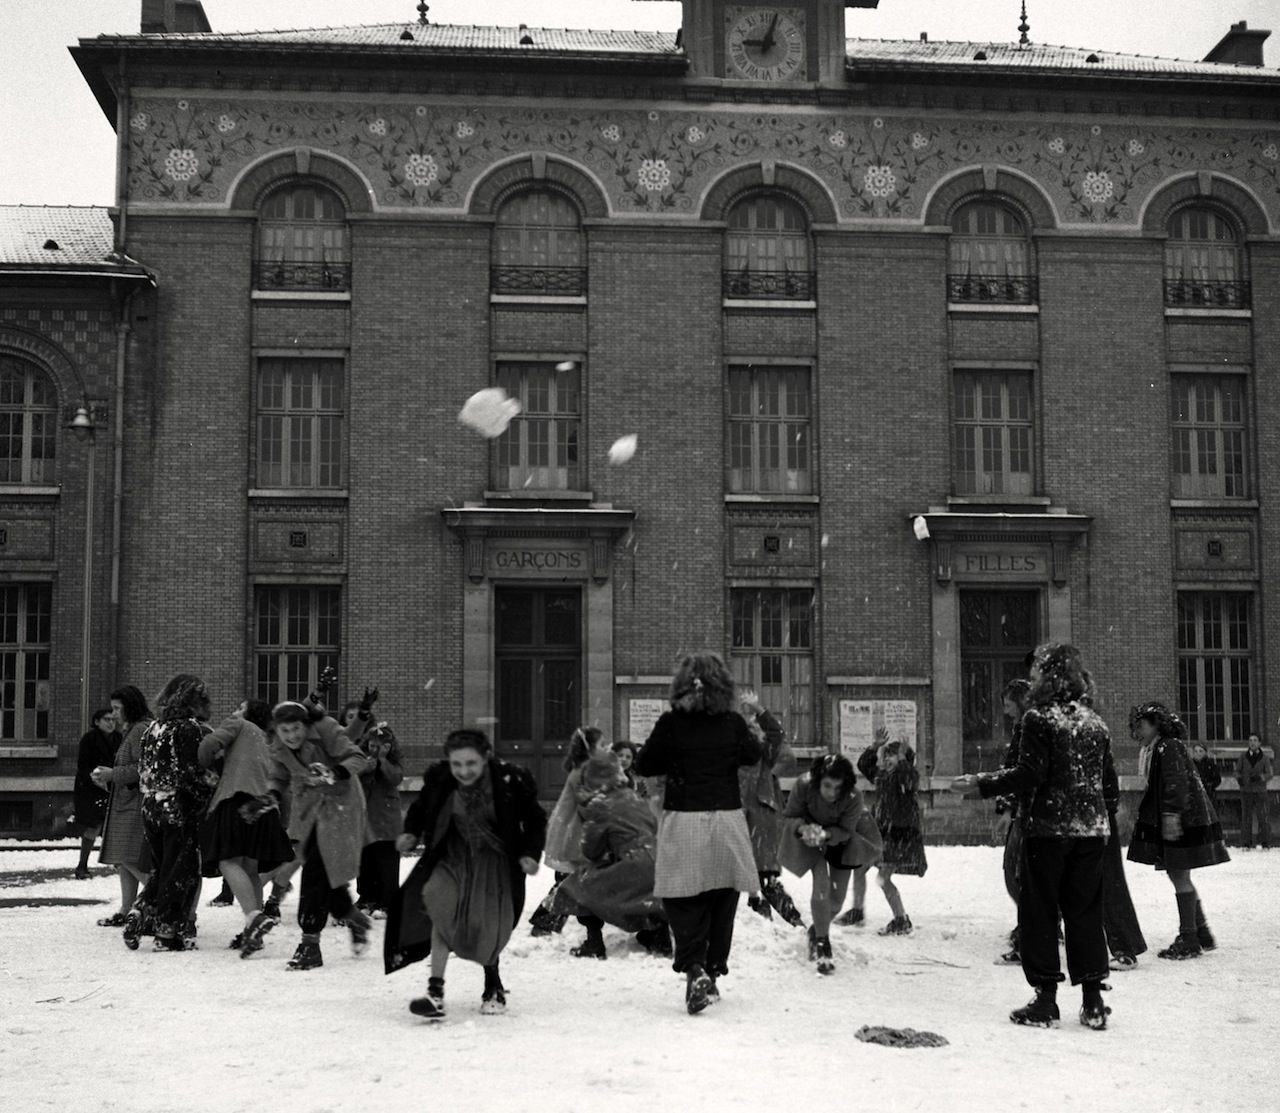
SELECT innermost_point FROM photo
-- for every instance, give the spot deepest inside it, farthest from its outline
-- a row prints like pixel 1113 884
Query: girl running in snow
pixel 830 834
pixel 484 832
pixel 1177 829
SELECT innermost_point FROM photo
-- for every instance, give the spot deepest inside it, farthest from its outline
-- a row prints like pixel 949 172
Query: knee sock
pixel 1200 916
pixel 1187 912
pixel 86 848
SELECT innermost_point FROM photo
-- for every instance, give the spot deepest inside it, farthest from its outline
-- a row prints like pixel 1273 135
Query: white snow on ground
pixel 86 1025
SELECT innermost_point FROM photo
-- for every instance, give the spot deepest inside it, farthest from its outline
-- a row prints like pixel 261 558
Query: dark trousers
pixel 174 884
pixel 1253 806
pixel 702 929
pixel 317 900
pixel 1062 876
pixel 379 879
pixel 1124 934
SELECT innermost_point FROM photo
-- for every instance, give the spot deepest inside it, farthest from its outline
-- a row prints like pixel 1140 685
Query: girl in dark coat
pixel 1177 829
pixel 175 791
pixel 892 769
pixel 1065 770
pixel 379 877
pixel 484 832
pixel 98 748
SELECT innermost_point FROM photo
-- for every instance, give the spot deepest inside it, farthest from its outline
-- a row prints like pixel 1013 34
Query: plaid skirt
pixel 700 851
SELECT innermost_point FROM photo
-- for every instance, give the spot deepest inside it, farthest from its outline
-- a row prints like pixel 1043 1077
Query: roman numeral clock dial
pixel 765 44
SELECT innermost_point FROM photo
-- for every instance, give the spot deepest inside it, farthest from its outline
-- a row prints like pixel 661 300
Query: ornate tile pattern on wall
pixel 430 155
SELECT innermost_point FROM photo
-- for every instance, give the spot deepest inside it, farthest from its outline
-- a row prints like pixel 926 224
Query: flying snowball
pixel 489 411
pixel 565 365
pixel 920 527
pixel 622 449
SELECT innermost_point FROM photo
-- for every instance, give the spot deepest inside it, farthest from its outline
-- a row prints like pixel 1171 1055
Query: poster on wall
pixel 859 719
pixel 641 715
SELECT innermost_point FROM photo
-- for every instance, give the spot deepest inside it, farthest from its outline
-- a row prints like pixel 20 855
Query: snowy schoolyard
pixel 86 1025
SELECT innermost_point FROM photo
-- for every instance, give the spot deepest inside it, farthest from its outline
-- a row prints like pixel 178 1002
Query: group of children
pixel 602 834
pixel 268 793
pixel 320 796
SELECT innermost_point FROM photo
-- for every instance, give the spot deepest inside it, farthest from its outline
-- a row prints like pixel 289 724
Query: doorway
pixel 997 631
pixel 538 675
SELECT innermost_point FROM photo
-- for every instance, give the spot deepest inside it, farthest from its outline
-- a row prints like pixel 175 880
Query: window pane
pixel 768 431
pixel 300 423
pixel 29 422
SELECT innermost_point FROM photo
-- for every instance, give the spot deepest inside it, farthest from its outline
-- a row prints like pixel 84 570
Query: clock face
pixel 765 44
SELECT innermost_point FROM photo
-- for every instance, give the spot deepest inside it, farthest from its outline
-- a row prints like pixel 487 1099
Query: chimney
pixel 1239 47
pixel 183 16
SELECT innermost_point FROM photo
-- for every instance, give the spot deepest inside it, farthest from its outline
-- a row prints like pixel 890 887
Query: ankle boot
pixel 431 1007
pixel 494 999
pixel 1093 1013
pixel 1041 1011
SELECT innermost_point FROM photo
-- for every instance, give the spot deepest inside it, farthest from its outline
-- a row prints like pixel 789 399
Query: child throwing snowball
pixel 892 769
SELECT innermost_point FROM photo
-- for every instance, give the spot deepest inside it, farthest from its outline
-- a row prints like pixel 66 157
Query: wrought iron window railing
pixel 566 282
pixel 797 285
pixel 1010 289
pixel 1206 293
pixel 281 274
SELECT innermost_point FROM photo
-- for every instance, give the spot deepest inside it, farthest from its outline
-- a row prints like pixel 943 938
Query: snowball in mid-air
pixel 622 449
pixel 489 411
pixel 565 365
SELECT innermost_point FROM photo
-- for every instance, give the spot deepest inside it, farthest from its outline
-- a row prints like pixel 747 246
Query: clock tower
pixel 767 42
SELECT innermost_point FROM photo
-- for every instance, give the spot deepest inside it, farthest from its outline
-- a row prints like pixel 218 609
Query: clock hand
pixel 767 44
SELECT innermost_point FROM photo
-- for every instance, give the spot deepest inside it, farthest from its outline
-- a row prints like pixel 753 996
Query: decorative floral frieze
pixel 431 155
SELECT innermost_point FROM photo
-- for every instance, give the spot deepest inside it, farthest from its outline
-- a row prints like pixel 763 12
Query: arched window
pixel 538 246
pixel 28 423
pixel 302 241
pixel 989 256
pixel 1202 261
pixel 766 250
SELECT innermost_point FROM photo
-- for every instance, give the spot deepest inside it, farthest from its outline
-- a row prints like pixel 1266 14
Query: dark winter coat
pixel 335 812
pixel 1253 771
pixel 847 823
pixel 1210 777
pixel 519 820
pixel 90 801
pixel 381 779
pixel 175 787
pixel 700 755
pixel 619 839
pixel 897 811
pixel 1065 766
pixel 1174 788
pixel 762 795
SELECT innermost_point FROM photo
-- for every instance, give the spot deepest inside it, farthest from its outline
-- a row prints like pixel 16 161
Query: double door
pixel 538 674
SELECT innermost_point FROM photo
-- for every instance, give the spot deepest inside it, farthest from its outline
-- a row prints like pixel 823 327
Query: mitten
pixel 367 701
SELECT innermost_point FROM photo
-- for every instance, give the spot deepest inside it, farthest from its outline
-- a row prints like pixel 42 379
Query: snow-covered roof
pixel 433 36
pixel 60 238
pixel 658 45
pixel 915 54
